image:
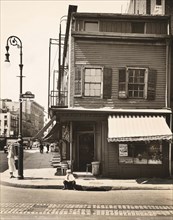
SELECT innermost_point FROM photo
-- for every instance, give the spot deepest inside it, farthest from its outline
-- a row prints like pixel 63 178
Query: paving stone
pixel 85 209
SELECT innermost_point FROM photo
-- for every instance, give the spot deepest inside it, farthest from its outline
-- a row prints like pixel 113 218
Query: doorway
pixel 85 150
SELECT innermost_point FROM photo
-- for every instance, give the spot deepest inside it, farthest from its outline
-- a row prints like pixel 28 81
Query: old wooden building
pixel 113 99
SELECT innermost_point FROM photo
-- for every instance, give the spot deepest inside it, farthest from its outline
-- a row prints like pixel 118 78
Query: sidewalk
pixel 38 173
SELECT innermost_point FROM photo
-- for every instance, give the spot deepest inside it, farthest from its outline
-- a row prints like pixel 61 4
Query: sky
pixel 34 23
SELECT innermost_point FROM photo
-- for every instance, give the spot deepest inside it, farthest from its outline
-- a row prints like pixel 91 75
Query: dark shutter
pixel 151 84
pixel 107 83
pixel 122 93
pixel 78 81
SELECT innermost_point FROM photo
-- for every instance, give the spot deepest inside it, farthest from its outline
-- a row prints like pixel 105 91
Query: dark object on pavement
pixel 5 149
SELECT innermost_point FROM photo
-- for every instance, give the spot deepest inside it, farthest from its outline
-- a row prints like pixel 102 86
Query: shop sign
pixel 123 150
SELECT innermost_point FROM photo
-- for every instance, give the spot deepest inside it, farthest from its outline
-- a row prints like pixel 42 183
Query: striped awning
pixel 137 128
pixel 41 132
pixel 53 135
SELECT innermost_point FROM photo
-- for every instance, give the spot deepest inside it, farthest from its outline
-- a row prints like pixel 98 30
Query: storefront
pixel 128 144
pixel 142 145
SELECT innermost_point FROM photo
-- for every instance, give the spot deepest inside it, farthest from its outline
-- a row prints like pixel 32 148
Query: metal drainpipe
pixel 71 146
pixel 48 92
pixel 170 149
pixel 59 64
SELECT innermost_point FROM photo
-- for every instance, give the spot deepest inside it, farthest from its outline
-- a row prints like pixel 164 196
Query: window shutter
pixel 151 84
pixel 78 81
pixel 122 93
pixel 107 83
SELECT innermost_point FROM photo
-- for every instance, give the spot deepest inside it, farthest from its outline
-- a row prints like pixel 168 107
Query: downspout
pixel 69 67
pixel 168 87
pixel 49 77
pixel 59 65
pixel 71 145
pixel 167 63
pixel 170 149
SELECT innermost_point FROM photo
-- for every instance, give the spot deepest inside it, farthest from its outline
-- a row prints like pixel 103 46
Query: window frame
pixel 125 94
pixel 91 21
pixel 83 81
pixel 145 82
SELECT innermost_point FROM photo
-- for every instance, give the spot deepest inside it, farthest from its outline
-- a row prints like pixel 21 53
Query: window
pixel 5 131
pixel 137 83
pixel 158 2
pixel 138 27
pixel 140 153
pixel 93 81
pixel 91 26
pixel 5 122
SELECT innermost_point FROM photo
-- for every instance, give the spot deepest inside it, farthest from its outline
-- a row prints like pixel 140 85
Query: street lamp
pixel 15 41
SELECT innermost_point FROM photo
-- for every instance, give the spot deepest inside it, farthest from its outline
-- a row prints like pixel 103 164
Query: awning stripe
pixel 137 128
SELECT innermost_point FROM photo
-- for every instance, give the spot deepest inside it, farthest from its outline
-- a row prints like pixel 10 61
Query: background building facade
pixel 32 120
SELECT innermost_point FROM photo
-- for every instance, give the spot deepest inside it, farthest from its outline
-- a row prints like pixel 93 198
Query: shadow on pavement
pixel 91 188
pixel 155 180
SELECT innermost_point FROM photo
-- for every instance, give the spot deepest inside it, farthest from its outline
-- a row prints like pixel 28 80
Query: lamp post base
pixel 20 177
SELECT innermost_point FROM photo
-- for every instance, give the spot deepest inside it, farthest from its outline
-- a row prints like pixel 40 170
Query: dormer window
pixel 91 26
pixel 138 27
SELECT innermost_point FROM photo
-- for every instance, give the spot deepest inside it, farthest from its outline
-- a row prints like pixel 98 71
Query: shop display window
pixel 140 153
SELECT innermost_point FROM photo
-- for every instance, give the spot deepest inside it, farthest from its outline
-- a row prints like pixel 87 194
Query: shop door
pixel 86 150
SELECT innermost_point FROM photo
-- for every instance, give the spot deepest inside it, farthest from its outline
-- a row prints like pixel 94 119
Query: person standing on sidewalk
pixel 47 146
pixel 12 155
pixel 41 148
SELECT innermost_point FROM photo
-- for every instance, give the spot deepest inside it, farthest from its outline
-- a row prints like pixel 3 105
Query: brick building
pixel 32 118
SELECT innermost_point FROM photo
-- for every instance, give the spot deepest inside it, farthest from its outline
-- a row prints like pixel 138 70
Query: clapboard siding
pixel 115 55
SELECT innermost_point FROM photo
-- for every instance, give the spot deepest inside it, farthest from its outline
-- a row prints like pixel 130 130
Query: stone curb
pixel 87 188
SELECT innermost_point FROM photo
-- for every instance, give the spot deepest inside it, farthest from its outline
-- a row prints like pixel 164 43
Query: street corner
pixel 32 180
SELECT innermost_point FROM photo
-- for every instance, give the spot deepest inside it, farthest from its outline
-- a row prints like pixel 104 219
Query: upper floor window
pixel 138 27
pixel 5 123
pixel 137 82
pixel 93 81
pixel 90 26
pixel 158 2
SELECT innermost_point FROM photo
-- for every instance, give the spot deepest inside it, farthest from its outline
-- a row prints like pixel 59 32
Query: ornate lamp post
pixel 15 41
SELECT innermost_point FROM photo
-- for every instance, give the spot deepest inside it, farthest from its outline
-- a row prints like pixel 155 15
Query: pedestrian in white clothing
pixel 11 159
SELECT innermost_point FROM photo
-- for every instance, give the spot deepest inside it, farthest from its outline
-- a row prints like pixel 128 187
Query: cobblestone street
pixel 85 209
